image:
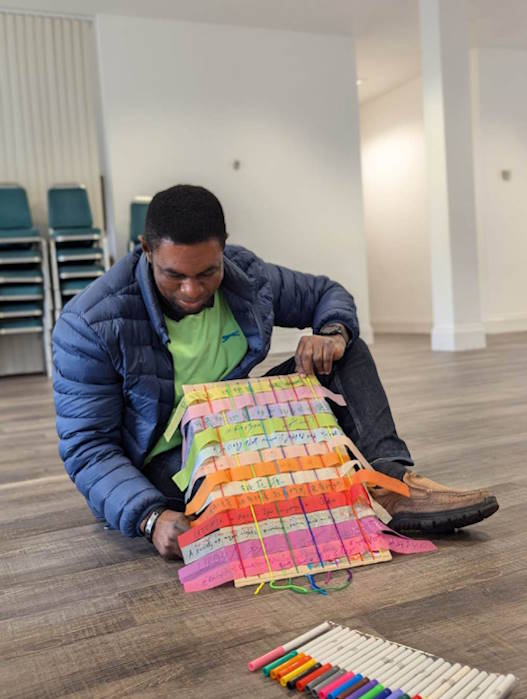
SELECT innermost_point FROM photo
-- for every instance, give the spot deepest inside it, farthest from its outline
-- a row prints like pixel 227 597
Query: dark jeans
pixel 366 420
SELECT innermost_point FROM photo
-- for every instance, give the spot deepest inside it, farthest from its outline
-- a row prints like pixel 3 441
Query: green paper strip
pixel 175 418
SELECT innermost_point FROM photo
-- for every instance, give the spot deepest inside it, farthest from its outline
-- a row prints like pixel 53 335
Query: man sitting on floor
pixel 188 309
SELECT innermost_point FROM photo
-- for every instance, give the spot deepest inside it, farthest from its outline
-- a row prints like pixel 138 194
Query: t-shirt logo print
pixel 226 337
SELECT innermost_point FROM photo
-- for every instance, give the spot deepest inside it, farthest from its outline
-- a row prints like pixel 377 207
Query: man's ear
pixel 145 248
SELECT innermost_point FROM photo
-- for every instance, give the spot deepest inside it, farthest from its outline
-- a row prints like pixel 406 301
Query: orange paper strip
pixel 261 469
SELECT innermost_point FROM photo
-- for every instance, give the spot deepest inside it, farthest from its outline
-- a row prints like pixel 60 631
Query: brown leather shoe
pixel 432 507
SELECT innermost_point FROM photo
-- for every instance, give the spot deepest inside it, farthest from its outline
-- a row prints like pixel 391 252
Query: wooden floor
pixel 87 613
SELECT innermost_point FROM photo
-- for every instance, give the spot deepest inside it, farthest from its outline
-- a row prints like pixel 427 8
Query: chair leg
pixel 57 296
pixel 47 311
pixel 106 252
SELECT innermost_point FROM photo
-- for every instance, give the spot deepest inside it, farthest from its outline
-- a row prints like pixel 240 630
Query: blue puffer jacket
pixel 113 374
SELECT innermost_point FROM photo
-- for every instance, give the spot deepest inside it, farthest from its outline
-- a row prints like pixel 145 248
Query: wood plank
pixel 85 612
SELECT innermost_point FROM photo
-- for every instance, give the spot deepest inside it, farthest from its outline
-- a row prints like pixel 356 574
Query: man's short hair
pixel 185 215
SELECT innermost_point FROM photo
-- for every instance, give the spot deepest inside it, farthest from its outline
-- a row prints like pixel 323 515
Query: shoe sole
pixel 446 521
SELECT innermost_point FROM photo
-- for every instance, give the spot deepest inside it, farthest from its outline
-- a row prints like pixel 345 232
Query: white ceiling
pixel 386 31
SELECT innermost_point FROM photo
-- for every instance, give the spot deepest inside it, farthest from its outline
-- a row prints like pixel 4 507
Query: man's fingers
pixel 318 355
pixel 169 527
pixel 307 358
pixel 327 354
pixel 323 355
pixel 298 356
pixel 302 365
pixel 303 357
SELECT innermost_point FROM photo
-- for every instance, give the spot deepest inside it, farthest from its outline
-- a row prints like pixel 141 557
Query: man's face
pixel 187 276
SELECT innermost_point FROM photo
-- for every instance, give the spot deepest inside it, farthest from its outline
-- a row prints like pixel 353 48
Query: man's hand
pixel 316 353
pixel 169 526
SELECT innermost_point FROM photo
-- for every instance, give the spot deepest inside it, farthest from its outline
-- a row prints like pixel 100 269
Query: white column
pixel 450 177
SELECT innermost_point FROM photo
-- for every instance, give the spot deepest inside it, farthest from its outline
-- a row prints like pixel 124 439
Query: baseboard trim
pixel 510 323
pixel 513 322
pixel 417 327
pixel 458 338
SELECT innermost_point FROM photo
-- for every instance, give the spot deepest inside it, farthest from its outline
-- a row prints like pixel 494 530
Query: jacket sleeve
pixel 89 406
pixel 304 300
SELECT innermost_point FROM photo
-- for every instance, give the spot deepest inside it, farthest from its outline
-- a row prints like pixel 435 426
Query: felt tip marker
pixel 340 687
pixel 280 670
pixel 500 688
pixel 282 659
pixel 328 689
pixel 375 692
pixel 448 684
pixel 352 691
pixel 455 690
pixel 293 684
pixel 427 691
pixel 431 673
pixel 325 679
pixel 302 683
pixel 476 682
pixel 257 663
pixel 362 691
pixel 296 673
pixel 485 684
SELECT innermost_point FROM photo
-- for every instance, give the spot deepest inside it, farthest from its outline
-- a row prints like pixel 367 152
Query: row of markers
pixel 320 663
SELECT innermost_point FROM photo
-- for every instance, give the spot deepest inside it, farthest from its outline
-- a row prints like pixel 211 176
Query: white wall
pixel 47 118
pixel 500 101
pixel 393 162
pixel 393 165
pixel 182 101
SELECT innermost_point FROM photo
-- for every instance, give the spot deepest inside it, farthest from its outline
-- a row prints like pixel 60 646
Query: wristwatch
pixel 151 522
pixel 335 329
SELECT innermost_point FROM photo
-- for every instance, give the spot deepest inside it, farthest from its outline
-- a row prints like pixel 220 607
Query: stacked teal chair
pixel 78 251
pixel 25 294
pixel 138 209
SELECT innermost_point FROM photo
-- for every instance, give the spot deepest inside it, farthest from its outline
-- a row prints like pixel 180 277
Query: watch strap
pixel 151 522
pixel 335 329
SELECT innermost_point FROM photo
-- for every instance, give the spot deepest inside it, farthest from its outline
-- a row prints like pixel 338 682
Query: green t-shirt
pixel 204 347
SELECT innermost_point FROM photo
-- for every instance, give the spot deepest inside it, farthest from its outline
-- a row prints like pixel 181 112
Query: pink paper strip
pixel 306 392
pixel 295 450
pixel 264 398
pixel 403 545
pixel 270 455
pixel 218 576
pixel 245 458
pixel 243 401
pixel 348 530
pixel 284 394
pixel 211 569
pixel 224 565
pixel 221 404
pixel 326 393
pixel 317 448
pixel 195 411
pixel 298 541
